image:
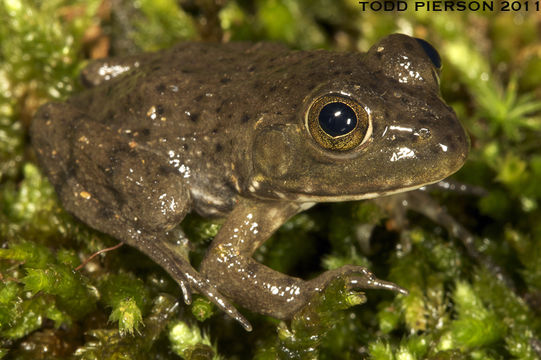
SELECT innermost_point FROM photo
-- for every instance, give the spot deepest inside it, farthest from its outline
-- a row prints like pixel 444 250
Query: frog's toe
pixel 357 277
pixel 206 289
pixel 372 282
pixel 186 292
pixel 361 278
pixel 222 303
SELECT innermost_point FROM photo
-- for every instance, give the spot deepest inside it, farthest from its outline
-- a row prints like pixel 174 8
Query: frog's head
pixel 382 129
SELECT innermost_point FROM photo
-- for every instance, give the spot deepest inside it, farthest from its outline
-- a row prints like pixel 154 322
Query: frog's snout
pixel 454 143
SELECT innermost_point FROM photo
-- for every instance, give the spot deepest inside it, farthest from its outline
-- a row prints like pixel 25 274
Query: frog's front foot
pixel 356 277
pixel 230 267
pixel 268 292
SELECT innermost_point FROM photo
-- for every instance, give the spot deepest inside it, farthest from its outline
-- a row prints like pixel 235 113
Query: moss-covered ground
pixel 123 306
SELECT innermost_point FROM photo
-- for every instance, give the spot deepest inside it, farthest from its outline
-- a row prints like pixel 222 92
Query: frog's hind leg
pixel 114 184
pixel 105 178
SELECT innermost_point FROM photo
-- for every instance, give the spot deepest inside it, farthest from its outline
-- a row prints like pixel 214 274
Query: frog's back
pixel 189 75
pixel 172 109
pixel 204 85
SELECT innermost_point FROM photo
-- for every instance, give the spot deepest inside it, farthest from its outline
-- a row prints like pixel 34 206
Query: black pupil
pixel 430 52
pixel 337 119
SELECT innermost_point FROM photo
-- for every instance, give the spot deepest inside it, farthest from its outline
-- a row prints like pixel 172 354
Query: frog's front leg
pixel 229 266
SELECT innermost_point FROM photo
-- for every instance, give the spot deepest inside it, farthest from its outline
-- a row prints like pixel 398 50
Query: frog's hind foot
pixel 167 255
pixel 357 277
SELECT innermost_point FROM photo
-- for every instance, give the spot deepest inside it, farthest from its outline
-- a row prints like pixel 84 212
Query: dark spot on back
pixel 105 212
pixel 219 147
pixel 166 170
pixel 194 117
pixel 251 68
pixel 119 148
pixel 160 88
pixel 185 147
pixel 145 131
pixel 219 108
pixel 244 118
pixel 110 114
pixel 214 131
pixel 225 80
pixel 425 122
pixel 159 109
pixel 272 88
pixel 71 169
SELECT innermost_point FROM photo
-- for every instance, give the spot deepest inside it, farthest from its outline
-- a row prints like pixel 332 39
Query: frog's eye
pixel 432 53
pixel 337 122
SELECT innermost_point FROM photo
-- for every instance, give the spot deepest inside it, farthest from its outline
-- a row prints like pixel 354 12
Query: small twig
pixel 96 254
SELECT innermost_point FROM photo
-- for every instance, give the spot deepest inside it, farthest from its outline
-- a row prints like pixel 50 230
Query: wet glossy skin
pixel 233 130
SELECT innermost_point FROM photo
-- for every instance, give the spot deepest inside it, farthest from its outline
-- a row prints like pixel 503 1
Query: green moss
pixel 66 285
pixel 162 23
pixel 202 308
pixel 39 287
pixel 189 343
pixel 109 344
pixel 475 326
pixel 129 299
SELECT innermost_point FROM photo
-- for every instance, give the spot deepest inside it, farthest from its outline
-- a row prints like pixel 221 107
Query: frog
pixel 253 133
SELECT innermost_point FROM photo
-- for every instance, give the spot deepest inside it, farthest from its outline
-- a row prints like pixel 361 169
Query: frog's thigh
pixel 111 183
pixel 119 188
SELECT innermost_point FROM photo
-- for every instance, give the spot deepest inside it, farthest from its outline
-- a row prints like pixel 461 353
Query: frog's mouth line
pixel 373 195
